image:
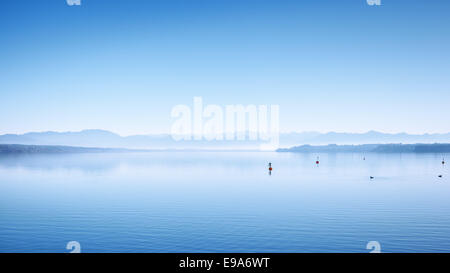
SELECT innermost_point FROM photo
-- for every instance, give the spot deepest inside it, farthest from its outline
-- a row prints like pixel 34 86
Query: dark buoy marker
pixel 440 176
pixel 372 177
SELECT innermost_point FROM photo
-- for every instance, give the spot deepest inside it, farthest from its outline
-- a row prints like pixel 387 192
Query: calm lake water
pixel 224 202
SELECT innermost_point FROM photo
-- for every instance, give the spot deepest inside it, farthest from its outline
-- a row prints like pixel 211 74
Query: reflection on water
pixel 224 202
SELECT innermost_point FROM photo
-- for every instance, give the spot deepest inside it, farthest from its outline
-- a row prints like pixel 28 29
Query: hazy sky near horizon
pixel 121 65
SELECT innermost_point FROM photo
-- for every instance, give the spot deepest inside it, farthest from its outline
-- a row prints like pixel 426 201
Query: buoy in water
pixel 317 161
pixel 270 167
pixel 440 176
pixel 372 177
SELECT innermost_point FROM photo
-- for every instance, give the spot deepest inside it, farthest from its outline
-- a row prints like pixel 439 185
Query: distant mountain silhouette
pixel 106 139
pixel 373 137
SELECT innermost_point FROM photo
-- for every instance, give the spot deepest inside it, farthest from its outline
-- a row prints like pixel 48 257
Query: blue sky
pixel 121 65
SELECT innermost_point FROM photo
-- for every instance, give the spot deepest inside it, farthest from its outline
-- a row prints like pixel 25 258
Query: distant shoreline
pixel 53 149
pixel 371 148
pixel 332 148
pixel 61 149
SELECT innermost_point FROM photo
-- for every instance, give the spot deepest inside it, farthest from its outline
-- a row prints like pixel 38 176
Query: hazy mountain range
pixel 106 139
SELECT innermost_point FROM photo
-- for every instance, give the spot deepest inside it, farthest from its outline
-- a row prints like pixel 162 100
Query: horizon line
pixel 281 132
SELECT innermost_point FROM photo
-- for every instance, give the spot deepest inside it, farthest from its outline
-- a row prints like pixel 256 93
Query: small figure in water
pixel 443 161
pixel 317 161
pixel 440 176
pixel 372 177
pixel 364 158
pixel 270 168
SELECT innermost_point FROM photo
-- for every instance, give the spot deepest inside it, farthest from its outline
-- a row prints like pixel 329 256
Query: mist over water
pixel 224 202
